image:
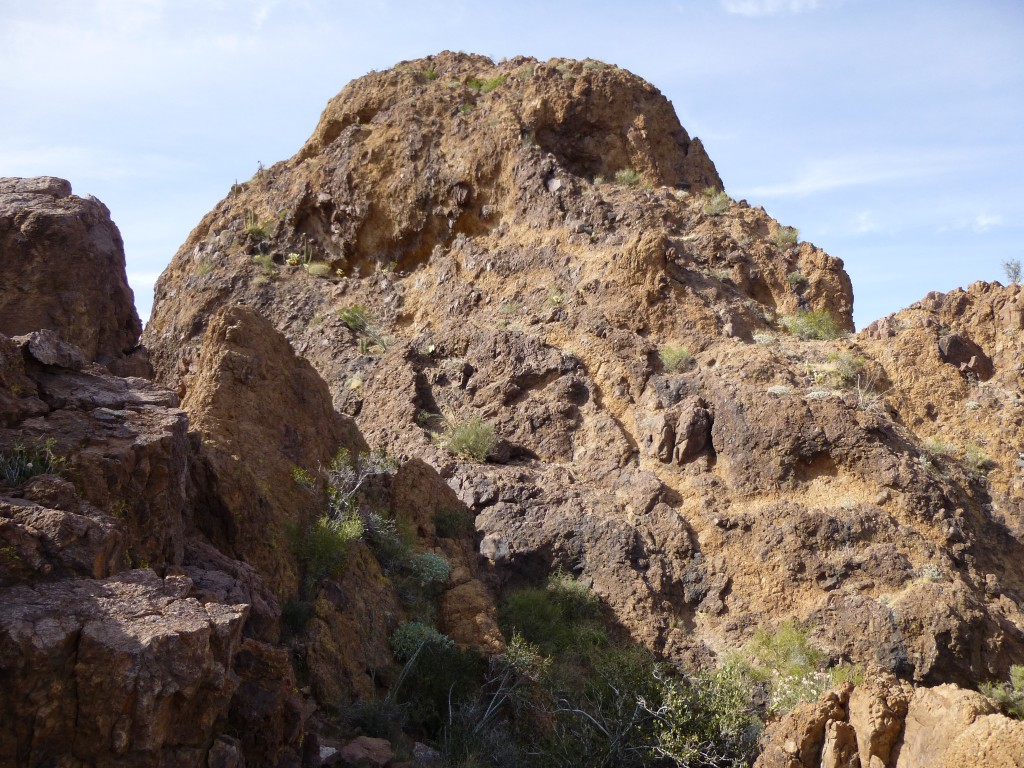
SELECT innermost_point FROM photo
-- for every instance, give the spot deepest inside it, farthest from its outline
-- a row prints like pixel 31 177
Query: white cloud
pixel 835 173
pixel 864 223
pixel 985 221
pixel 769 7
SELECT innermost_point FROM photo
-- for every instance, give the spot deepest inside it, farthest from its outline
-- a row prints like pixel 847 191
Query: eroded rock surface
pixel 64 269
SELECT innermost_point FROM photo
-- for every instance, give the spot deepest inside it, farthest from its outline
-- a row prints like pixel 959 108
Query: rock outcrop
pixel 888 724
pixel 529 244
pixel 123 671
pixel 534 248
pixel 64 269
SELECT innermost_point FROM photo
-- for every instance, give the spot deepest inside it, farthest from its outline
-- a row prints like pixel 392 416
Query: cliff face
pixel 681 421
pixel 529 243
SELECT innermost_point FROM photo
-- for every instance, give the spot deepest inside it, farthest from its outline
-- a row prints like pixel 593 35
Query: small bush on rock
pixel 715 203
pixel 407 639
pixel 473 439
pixel 628 177
pixel 1008 695
pixel 785 237
pixel 813 325
pixel 675 359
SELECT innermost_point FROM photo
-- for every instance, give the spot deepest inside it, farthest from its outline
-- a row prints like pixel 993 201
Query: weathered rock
pixel 266 712
pixel 127 670
pixel 366 751
pixel 48 348
pixel 254 504
pixel 64 269
pixel 888 724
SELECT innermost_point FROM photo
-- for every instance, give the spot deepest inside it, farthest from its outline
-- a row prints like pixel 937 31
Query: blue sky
pixel 888 131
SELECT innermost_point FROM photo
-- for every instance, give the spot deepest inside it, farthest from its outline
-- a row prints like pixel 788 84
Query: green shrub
pixel 323 546
pixel 715 203
pixel 266 263
pixel 356 318
pixel 410 636
pixel 253 227
pixel 472 439
pixel 429 74
pixel 708 718
pixel 977 460
pixel 1008 695
pixel 796 279
pixel 675 359
pixel 785 237
pixel 485 86
pixel 429 568
pixel 1011 267
pixel 562 617
pixel 789 666
pixel 628 177
pixel 453 522
pixel 813 325
pixel 24 461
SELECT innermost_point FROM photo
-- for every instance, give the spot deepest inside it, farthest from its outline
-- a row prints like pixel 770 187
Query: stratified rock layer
pixel 62 268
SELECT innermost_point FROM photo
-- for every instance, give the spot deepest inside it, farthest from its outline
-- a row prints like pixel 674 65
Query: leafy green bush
pixel 473 438
pixel 789 667
pixel 323 546
pixel 561 617
pixel 707 719
pixel 675 359
pixel 429 568
pixel 715 203
pixel 407 639
pixel 485 86
pixel 813 325
pixel 796 279
pixel 628 177
pixel 1008 695
pixel 785 237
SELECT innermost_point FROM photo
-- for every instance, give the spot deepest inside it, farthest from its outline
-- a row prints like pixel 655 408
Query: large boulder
pixel 63 268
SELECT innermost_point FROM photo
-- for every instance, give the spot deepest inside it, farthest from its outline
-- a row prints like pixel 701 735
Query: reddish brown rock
pixel 126 670
pixel 64 268
pixel 263 413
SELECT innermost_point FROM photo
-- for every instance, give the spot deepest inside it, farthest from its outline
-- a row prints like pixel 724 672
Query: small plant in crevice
pixel 318 269
pixel 254 227
pixel 628 177
pixel 23 461
pixel 473 438
pixel 977 460
pixel 796 279
pixel 808 325
pixel 1009 695
pixel 358 320
pixel 785 237
pixel 675 359
pixel 265 261
pixel 715 202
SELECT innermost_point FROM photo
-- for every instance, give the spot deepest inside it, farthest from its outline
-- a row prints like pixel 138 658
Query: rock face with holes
pixel 63 269
pixel 533 244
